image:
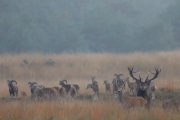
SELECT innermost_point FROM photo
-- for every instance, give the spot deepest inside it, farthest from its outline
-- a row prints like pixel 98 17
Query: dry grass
pixel 77 68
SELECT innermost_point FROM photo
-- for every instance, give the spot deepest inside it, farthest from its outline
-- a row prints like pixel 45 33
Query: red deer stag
pixel 143 86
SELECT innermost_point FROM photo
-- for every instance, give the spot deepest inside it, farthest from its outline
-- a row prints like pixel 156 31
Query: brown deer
pixel 23 94
pixel 95 89
pixel 68 86
pixel 13 89
pixel 143 86
pixel 107 86
pixel 132 85
pixel 94 82
pixel 132 102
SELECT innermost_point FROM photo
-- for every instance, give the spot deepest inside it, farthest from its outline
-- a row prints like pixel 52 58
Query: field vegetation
pixel 48 69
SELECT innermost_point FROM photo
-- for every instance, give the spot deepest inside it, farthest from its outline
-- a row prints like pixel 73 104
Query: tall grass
pixel 78 68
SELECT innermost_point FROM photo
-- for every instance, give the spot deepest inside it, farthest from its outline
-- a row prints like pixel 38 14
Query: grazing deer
pixel 13 89
pixel 132 85
pixel 107 86
pixel 143 86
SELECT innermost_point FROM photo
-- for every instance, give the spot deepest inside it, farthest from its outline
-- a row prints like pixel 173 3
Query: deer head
pixel 61 82
pixel 93 78
pixel 143 85
pixel 118 76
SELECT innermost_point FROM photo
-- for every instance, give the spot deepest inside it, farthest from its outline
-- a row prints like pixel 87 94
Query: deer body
pixel 13 89
pixel 23 94
pixel 107 86
pixel 132 85
pixel 95 90
pixel 68 86
pixel 143 86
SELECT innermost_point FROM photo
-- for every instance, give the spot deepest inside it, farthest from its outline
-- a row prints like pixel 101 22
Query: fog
pixel 90 26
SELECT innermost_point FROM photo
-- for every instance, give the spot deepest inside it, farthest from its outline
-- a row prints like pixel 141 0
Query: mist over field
pixel 90 26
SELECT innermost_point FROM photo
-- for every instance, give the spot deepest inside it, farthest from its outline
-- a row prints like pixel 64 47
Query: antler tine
pixel 131 73
pixel 152 72
pixel 155 74
pixel 136 71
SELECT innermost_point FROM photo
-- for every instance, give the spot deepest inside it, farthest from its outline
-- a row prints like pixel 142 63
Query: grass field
pixel 48 69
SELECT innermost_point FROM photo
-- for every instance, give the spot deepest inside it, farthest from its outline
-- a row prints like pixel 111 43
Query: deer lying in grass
pixel 13 89
pixel 107 86
pixel 132 102
pixel 172 104
pixel 95 89
pixel 129 101
pixel 23 94
pixel 132 85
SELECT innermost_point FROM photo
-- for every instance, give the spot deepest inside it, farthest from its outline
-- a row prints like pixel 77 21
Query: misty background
pixel 56 26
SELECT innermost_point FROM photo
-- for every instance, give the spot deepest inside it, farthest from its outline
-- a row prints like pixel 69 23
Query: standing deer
pixel 32 86
pixel 143 86
pixel 114 82
pixel 107 86
pixel 13 89
pixel 152 88
pixel 95 89
pixel 68 86
pixel 94 82
pixel 132 85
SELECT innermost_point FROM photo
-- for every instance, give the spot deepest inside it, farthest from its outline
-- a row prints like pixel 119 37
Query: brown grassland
pixel 48 69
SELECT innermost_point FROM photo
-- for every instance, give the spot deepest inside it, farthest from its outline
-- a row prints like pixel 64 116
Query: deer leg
pixel 153 95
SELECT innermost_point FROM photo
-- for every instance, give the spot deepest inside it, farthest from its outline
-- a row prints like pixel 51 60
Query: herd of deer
pixel 142 98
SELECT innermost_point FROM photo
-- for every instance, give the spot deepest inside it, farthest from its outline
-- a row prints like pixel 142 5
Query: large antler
pixel 131 73
pixel 155 74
